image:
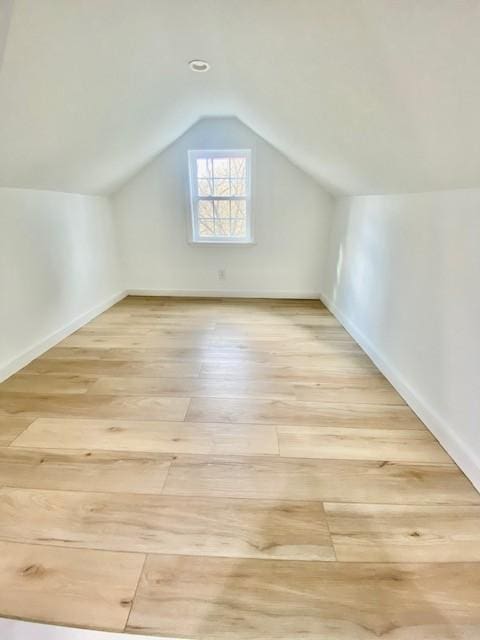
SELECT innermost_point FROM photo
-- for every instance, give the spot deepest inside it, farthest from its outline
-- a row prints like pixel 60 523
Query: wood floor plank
pixel 302 413
pixel 197 340
pixel 152 330
pixel 228 356
pixel 299 326
pixel 83 470
pixel 134 320
pixel 152 436
pixel 281 365
pixel 325 331
pixel 110 341
pixel 281 347
pixel 171 358
pixel 166 524
pixel 395 445
pixel 405 533
pixel 366 391
pixel 101 406
pixel 11 427
pixel 310 344
pixel 314 318
pixel 266 310
pixel 35 384
pixel 219 598
pixel 99 366
pixel 301 369
pixel 193 387
pixel 329 357
pixel 307 479
pixel 302 349
pixel 246 315
pixel 60 585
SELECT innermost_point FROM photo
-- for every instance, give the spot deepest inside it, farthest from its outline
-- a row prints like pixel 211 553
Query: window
pixel 220 196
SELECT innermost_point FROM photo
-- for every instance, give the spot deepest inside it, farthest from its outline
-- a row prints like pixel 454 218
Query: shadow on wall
pixel 403 274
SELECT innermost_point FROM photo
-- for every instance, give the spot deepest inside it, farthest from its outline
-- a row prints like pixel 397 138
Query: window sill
pixel 221 243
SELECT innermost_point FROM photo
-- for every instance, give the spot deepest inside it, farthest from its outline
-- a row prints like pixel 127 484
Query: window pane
pixel 221 167
pixel 205 209
pixel 238 167
pixel 239 228
pixel 238 187
pixel 222 227
pixel 205 187
pixel 204 168
pixel 239 209
pixel 219 195
pixel 221 187
pixel 222 208
pixel 206 228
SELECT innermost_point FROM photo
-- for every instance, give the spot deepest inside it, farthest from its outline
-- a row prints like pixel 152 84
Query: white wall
pixel 58 265
pixel 5 16
pixel 291 213
pixel 403 274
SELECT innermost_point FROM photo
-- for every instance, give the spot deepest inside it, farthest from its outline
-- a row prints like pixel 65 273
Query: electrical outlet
pixel 222 274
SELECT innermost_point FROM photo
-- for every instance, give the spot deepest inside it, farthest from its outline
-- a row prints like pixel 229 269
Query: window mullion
pixel 221 197
pixel 226 220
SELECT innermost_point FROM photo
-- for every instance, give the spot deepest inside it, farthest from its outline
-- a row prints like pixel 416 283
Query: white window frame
pixel 194 236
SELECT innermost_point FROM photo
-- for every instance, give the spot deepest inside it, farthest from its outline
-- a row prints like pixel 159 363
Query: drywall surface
pixel 291 221
pixel 58 263
pixel 403 274
pixel 5 14
pixel 368 96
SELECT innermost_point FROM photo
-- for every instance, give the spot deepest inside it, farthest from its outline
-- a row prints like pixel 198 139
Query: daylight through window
pixel 220 195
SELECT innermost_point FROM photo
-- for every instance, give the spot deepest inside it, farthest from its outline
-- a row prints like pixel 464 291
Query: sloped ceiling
pixel 368 96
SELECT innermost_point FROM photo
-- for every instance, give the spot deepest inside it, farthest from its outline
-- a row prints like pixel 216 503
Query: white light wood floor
pixel 229 469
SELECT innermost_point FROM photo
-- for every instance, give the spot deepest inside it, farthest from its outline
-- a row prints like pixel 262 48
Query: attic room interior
pixel 239 319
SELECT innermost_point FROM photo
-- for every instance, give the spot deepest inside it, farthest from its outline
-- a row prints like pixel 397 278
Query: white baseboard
pixel 20 630
pixel 17 363
pixel 467 460
pixel 205 293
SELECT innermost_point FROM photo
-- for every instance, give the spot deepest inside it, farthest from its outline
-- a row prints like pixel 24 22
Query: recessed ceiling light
pixel 199 65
